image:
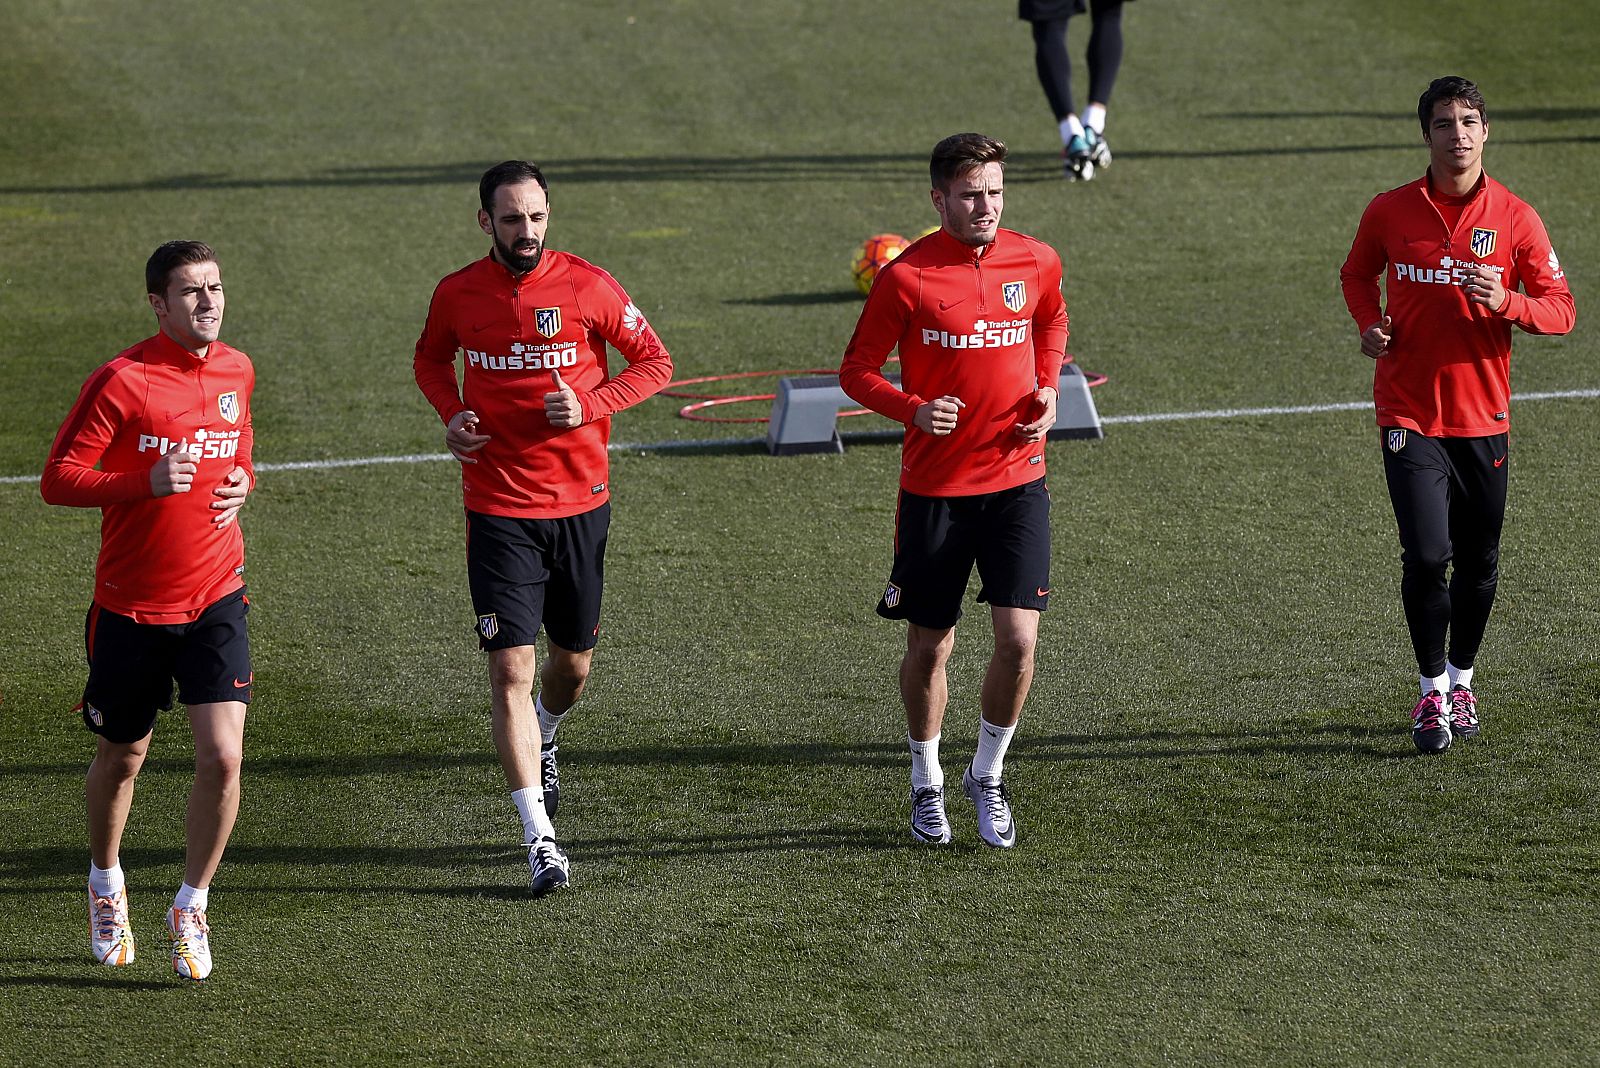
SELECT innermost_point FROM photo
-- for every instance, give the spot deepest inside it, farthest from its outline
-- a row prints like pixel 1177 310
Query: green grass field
pixel 1229 853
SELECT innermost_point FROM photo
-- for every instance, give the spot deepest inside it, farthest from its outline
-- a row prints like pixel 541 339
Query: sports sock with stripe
pixel 549 722
pixel 106 881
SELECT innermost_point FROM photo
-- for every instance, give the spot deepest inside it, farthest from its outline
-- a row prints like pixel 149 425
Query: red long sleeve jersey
pixel 990 329
pixel 1448 369
pixel 514 333
pixel 162 559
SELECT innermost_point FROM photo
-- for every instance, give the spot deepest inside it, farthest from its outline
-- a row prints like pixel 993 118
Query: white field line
pixel 672 446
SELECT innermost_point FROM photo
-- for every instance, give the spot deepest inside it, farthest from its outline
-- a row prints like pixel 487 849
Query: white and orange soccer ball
pixel 875 252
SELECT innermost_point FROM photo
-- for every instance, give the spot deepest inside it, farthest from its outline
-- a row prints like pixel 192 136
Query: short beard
pixel 518 263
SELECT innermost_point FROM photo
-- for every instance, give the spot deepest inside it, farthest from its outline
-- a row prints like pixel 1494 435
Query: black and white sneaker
pixel 1463 712
pixel 549 778
pixel 1430 724
pixel 995 825
pixel 548 866
pixel 1099 150
pixel 928 821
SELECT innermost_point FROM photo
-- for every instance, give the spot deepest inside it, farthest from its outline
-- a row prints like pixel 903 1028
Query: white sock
pixel 106 881
pixel 535 820
pixel 1459 676
pixel 925 769
pixel 549 723
pixel 992 743
pixel 1070 127
pixel 1442 684
pixel 190 897
pixel 1094 116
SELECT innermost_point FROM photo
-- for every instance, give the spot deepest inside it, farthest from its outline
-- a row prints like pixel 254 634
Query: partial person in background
pixel 1083 139
pixel 160 441
pixel 1453 248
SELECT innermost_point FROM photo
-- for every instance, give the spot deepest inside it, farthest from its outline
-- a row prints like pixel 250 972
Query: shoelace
pixel 191 924
pixel 997 800
pixel 925 806
pixel 550 774
pixel 1429 713
pixel 108 917
pixel 544 851
pixel 1463 705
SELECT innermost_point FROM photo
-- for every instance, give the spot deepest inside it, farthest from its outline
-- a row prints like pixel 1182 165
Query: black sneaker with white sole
pixel 548 866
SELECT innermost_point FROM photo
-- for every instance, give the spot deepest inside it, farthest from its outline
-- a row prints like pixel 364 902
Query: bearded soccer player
pixel 159 440
pixel 977 315
pixel 1463 260
pixel 530 427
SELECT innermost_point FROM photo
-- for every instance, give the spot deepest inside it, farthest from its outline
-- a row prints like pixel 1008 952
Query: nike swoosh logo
pixel 1500 461
pixel 1043 591
pixel 947 305
pixel 478 328
pixel 237 685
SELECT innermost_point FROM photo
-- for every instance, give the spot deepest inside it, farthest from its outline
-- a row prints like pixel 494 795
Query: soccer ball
pixel 875 252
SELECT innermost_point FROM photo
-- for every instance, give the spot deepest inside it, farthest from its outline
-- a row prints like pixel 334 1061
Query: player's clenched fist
pixel 938 417
pixel 461 436
pixel 173 473
pixel 562 406
pixel 1375 338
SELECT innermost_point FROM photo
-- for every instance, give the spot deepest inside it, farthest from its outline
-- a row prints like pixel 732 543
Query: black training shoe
pixel 548 866
pixel 1463 712
pixel 549 778
pixel 1430 724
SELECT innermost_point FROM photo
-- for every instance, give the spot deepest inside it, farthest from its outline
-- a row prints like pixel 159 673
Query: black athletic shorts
pixel 528 572
pixel 938 539
pixel 132 666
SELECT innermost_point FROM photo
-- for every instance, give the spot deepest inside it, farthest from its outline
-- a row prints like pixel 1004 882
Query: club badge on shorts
pixel 1397 440
pixel 1014 295
pixel 1482 241
pixel 488 626
pixel 228 405
pixel 891 596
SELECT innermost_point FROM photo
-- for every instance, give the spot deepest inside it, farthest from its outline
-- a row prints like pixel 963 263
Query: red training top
pixel 1448 369
pixel 514 333
pixel 162 559
pixel 986 325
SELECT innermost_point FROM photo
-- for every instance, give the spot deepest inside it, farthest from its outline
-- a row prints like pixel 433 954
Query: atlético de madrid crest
pixel 1397 439
pixel 228 405
pixel 1014 295
pixel 547 321
pixel 1482 241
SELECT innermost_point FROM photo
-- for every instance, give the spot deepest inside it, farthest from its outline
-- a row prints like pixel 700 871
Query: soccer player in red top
pixel 1453 249
pixel 160 441
pixel 530 426
pixel 977 315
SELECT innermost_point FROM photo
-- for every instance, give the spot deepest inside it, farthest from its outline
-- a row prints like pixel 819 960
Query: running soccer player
pixel 159 440
pixel 530 427
pixel 1453 247
pixel 977 315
